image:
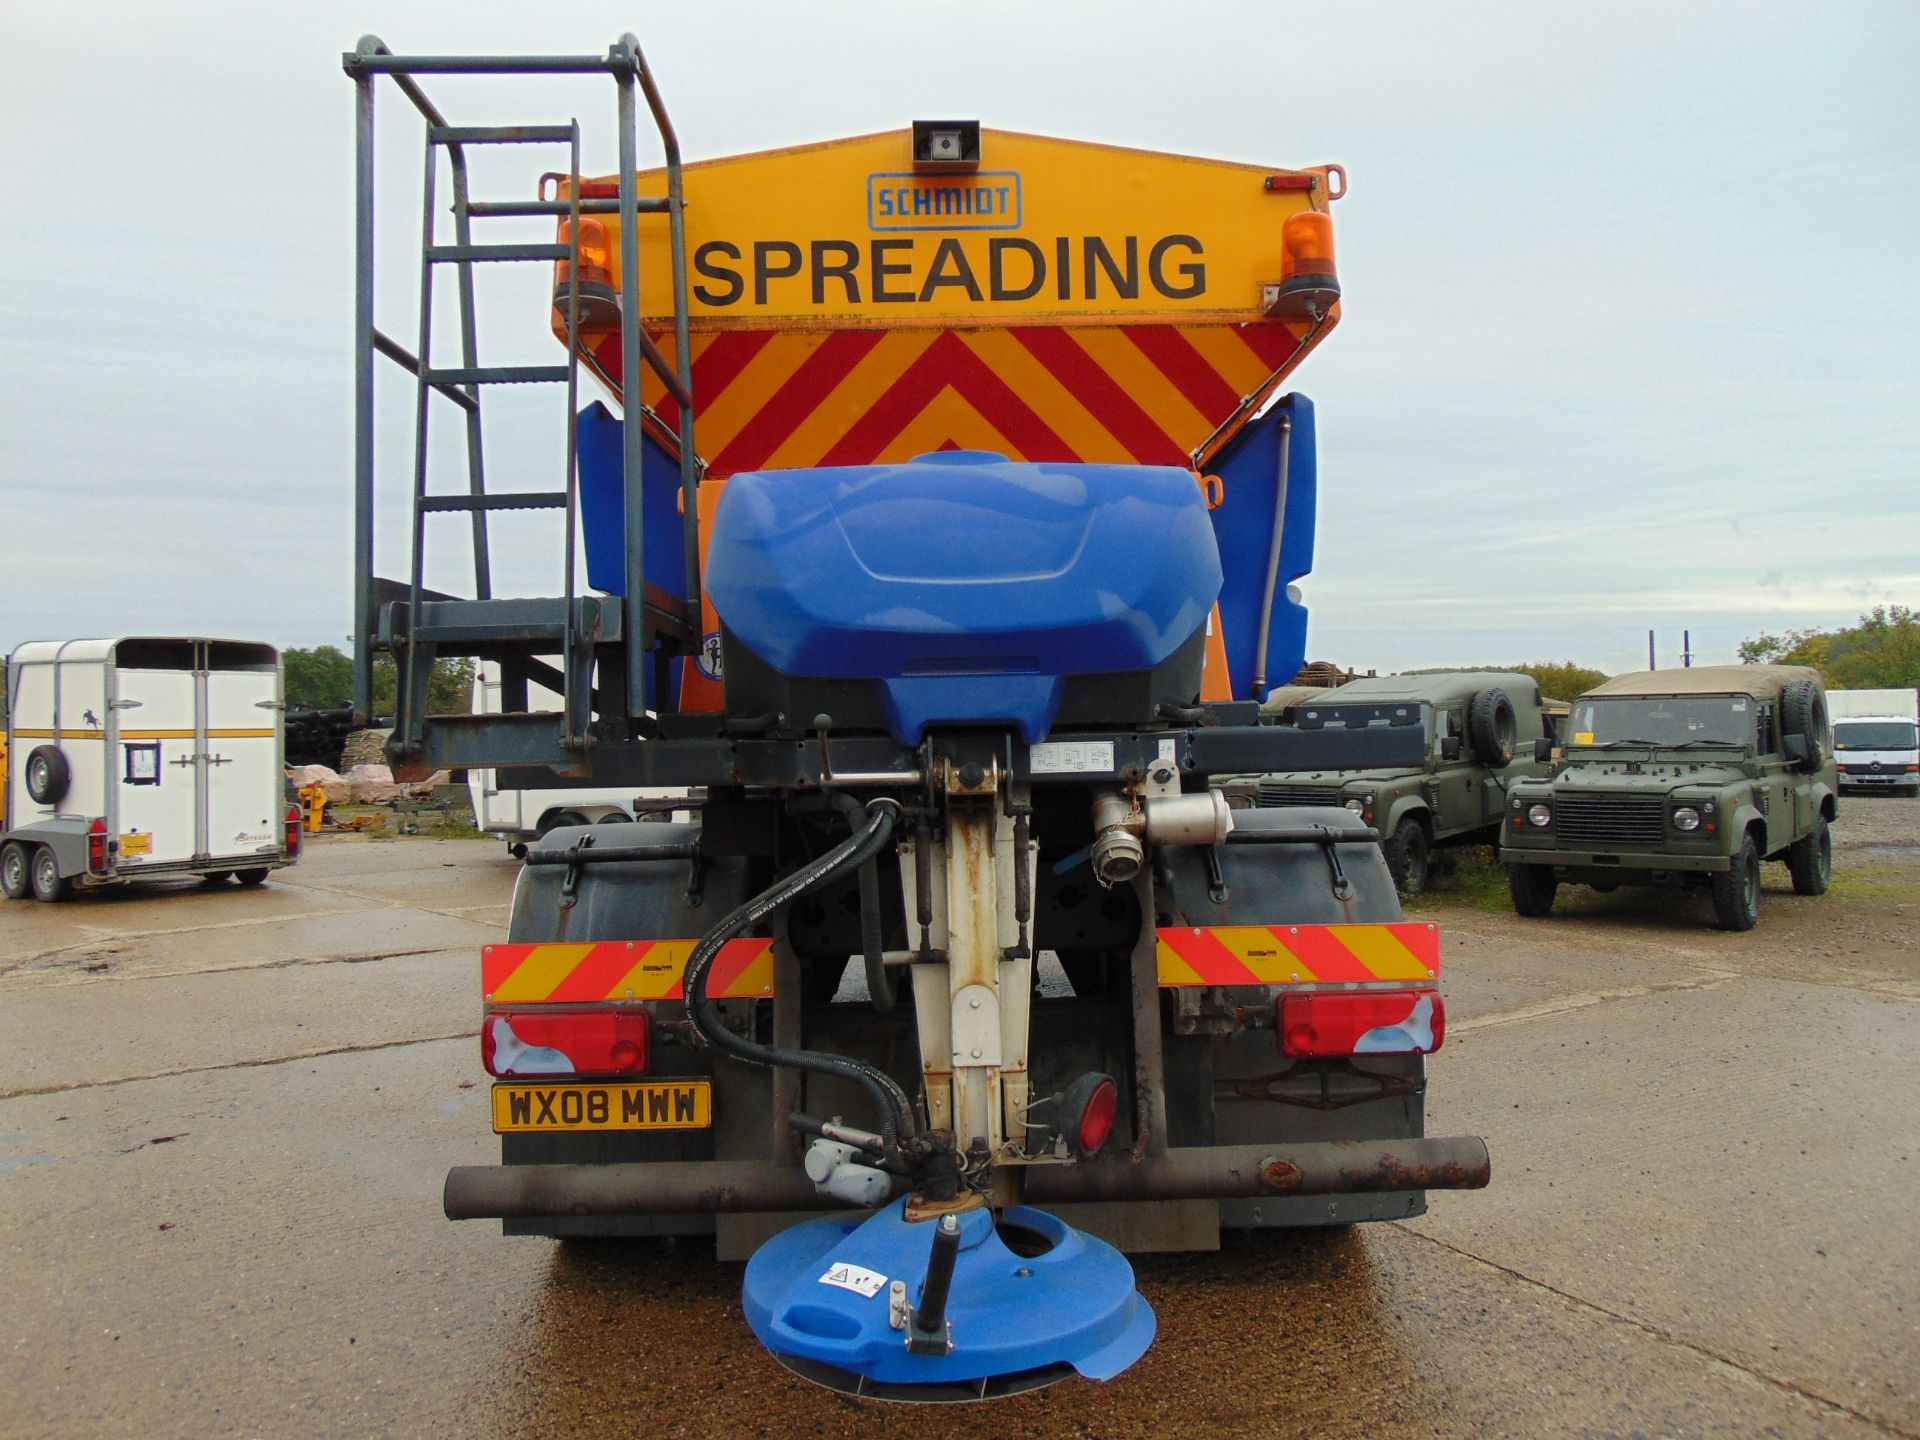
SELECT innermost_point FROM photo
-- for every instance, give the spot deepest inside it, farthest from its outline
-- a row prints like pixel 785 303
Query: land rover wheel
pixel 1736 892
pixel 1409 853
pixel 1490 727
pixel 1803 712
pixel 14 883
pixel 48 775
pixel 1533 888
pixel 49 884
pixel 1810 861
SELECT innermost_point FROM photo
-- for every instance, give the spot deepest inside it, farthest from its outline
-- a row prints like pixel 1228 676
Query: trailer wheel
pixel 250 877
pixel 1491 727
pixel 49 885
pixel 48 774
pixel 14 883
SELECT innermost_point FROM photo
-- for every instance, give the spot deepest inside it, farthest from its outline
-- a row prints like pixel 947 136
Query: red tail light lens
pixel 293 831
pixel 97 847
pixel 1362 1022
pixel 1087 1109
pixel 567 1042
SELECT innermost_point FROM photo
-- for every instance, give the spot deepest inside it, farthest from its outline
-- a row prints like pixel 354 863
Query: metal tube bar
pixel 385 62
pixel 599 205
pixel 365 340
pixel 406 710
pixel 1273 560
pixel 404 358
pixel 689 460
pixel 470 359
pixel 632 451
pixel 573 734
pixel 1325 1167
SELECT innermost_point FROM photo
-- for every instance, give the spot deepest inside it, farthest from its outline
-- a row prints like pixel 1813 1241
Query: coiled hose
pixel 896 1111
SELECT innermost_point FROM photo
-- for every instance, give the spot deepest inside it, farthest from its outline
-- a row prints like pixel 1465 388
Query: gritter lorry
pixel 962 978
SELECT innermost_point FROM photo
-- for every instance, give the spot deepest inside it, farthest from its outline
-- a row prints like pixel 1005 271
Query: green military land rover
pixel 1485 730
pixel 1686 778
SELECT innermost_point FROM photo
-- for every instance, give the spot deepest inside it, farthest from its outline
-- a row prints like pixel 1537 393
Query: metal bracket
pixel 570 887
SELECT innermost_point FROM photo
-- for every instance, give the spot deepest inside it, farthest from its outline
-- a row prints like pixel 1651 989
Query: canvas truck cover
pixel 1760 682
pixel 1064 301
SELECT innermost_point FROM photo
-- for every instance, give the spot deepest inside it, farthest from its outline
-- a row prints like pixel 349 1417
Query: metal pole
pixel 682 342
pixel 1650 664
pixel 1686 649
pixel 363 400
pixel 1316 1167
pixel 1273 560
pixel 633 602
pixel 470 358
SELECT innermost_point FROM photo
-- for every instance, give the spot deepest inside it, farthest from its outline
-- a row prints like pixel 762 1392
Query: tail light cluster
pixel 556 1041
pixel 292 842
pixel 97 853
pixel 1362 1022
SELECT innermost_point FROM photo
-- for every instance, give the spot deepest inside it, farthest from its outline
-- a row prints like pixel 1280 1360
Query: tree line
pixel 1882 652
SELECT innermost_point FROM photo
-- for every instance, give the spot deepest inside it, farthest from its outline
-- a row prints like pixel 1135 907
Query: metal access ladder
pixel 592 650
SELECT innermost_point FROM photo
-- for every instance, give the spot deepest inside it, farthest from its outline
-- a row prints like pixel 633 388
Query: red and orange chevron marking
pixel 619 970
pixel 1297 954
pixel 1121 394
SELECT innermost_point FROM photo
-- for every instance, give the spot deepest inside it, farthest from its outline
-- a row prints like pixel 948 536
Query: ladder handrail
pixel 626 65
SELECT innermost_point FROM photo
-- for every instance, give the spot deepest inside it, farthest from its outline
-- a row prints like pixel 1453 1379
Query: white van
pixel 141 758
pixel 1876 740
pixel 521 816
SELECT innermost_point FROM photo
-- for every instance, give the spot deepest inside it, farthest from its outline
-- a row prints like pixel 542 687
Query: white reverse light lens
pixel 1686 818
pixel 1539 815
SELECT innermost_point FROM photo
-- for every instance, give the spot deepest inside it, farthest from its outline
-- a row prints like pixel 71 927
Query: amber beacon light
pixel 1309 279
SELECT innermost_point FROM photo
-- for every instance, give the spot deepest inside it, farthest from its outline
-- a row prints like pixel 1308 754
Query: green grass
pixel 1467 875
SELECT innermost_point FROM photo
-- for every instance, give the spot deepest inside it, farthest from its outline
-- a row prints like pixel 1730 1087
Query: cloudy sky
pixel 1632 333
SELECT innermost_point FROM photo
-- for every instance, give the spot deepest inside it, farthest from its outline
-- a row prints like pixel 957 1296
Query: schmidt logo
pixel 985 200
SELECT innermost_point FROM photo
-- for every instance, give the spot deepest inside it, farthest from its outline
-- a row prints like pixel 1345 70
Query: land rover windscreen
pixel 1665 722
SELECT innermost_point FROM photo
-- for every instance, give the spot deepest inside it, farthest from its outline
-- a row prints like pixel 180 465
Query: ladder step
pixel 496 375
pixel 439 253
pixel 596 205
pixel 498 134
pixel 504 500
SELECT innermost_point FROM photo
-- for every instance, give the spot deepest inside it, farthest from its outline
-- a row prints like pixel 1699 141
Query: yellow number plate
pixel 655 1105
pixel 136 844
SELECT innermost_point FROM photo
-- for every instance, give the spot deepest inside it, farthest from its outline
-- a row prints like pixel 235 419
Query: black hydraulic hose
pixel 879 983
pixel 896 1111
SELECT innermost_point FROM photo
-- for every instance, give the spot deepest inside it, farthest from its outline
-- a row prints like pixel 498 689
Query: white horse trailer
pixel 141 758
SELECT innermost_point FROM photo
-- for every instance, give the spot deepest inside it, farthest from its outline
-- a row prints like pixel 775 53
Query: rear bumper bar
pixel 1343 1167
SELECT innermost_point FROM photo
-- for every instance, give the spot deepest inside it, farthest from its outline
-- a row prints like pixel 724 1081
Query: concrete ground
pixel 225 1115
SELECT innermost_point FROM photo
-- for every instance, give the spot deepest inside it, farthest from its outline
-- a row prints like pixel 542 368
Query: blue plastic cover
pixel 603 507
pixel 967 584
pixel 811 1293
pixel 1249 469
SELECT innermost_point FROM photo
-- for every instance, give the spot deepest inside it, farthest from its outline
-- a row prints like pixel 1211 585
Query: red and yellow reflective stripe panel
pixel 1297 954
pixel 619 970
pixel 1134 394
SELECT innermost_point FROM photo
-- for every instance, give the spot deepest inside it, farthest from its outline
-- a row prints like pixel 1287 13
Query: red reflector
pixel 97 847
pixel 567 1042
pixel 292 842
pixel 1096 1121
pixel 1086 1110
pixel 1362 1022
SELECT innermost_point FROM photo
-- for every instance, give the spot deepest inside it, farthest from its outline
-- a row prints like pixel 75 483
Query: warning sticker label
pixel 856 1278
